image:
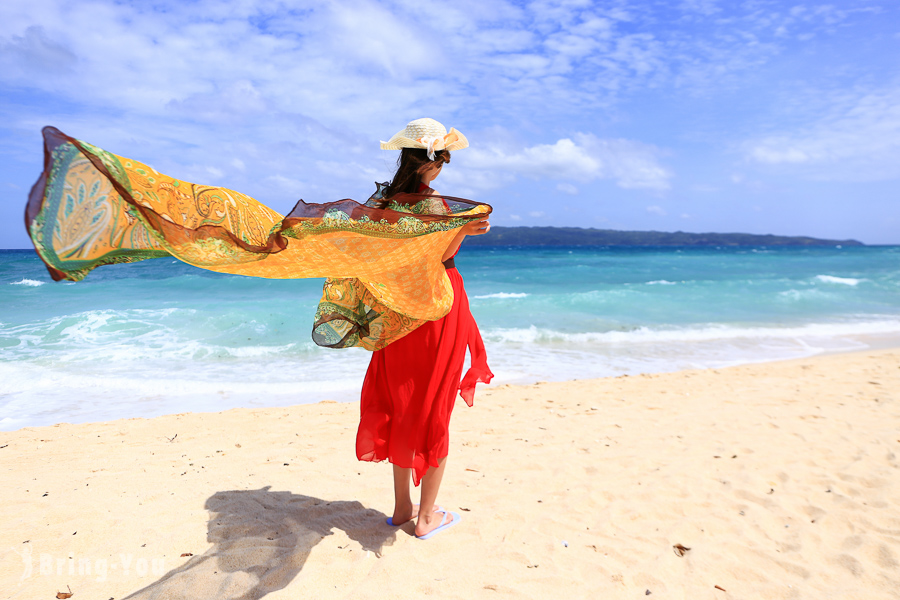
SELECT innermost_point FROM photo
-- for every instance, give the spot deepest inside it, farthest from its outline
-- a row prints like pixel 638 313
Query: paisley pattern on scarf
pixel 91 208
pixel 356 313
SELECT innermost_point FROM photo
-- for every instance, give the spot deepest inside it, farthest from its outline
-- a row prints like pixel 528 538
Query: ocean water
pixel 162 337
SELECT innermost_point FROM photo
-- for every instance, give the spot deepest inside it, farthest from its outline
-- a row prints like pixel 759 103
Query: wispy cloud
pixel 857 138
pixel 582 157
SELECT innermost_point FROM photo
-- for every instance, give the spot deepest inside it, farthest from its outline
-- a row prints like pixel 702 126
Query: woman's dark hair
pixel 410 164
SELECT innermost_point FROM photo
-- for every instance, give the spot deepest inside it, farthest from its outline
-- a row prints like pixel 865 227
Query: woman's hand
pixel 479 227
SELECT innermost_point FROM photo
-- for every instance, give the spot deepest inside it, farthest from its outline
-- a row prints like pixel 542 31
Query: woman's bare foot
pixel 404 514
pixel 428 523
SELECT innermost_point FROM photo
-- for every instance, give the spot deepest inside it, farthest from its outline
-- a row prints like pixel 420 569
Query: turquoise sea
pixel 163 337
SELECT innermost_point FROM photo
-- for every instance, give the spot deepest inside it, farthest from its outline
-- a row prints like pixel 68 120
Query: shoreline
pixel 889 346
pixel 780 477
pixel 211 402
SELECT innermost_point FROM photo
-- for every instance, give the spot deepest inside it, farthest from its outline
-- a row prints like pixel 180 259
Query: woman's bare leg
pixel 403 506
pixel 431 483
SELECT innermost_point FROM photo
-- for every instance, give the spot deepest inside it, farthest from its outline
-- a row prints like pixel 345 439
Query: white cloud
pixel 382 39
pixel 472 180
pixel 704 7
pixel 775 150
pixel 347 170
pixel 583 157
pixel 856 139
pixel 657 210
pixel 35 52
pixel 567 188
pixel 285 183
pixel 536 214
pixel 238 99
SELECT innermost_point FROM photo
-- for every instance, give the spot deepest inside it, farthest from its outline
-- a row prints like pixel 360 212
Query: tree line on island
pixel 577 236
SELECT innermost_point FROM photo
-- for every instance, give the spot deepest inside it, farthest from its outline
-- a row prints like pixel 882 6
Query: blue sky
pixel 758 116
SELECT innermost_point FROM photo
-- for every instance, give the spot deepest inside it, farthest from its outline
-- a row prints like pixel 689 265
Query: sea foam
pixel 29 283
pixel 700 333
pixel 839 280
pixel 502 295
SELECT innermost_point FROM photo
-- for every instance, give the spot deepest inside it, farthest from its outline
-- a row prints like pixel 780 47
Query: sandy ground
pixel 778 480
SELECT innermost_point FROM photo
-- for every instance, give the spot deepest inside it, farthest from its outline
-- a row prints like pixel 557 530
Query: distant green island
pixel 577 236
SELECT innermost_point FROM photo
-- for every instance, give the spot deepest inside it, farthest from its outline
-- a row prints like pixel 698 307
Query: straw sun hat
pixel 426 134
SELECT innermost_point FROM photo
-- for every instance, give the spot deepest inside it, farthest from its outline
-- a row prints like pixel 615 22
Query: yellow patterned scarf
pixel 92 208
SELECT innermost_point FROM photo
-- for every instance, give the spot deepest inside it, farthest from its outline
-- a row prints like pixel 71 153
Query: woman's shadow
pixel 261 540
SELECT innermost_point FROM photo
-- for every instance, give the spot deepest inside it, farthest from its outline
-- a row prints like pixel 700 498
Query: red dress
pixel 411 386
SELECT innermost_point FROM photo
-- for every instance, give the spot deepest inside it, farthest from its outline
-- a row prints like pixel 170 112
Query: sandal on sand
pixel 455 519
pixel 390 520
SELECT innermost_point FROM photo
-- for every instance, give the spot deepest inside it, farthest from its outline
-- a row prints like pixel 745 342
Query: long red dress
pixel 411 385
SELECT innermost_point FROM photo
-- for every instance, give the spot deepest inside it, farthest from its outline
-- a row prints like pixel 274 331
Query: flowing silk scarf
pixel 383 265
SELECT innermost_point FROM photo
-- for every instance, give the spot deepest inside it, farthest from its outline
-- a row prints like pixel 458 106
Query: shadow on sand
pixel 261 540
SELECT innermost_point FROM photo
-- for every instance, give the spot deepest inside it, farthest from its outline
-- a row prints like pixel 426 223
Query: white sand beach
pixel 765 481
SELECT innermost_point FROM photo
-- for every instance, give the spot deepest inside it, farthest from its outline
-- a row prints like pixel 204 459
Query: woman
pixel 411 385
pixel 91 208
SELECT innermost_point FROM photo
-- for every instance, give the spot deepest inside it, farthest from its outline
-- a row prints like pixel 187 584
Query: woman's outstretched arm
pixel 479 227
